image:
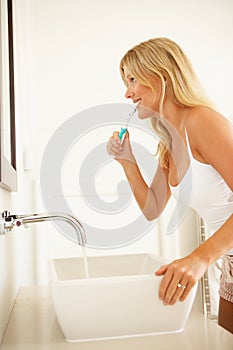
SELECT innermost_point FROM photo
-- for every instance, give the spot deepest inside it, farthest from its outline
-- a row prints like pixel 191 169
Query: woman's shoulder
pixel 204 120
pixel 208 131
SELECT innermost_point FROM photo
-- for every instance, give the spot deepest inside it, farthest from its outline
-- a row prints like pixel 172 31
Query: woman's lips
pixel 137 102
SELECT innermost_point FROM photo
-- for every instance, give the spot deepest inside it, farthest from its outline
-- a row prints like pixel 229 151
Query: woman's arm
pixel 188 270
pixel 151 199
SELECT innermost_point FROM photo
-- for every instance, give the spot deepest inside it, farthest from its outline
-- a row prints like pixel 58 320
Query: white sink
pixel 120 299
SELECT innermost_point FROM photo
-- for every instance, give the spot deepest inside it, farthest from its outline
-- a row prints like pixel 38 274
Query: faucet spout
pixel 9 221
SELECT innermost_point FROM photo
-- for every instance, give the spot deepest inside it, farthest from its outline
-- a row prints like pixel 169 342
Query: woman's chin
pixel 144 112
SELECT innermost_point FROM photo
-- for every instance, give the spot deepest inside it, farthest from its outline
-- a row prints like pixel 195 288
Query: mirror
pixel 8 174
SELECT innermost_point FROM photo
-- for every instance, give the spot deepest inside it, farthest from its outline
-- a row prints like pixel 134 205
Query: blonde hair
pixel 165 59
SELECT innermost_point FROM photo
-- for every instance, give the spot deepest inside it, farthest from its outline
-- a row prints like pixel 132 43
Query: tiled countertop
pixel 33 326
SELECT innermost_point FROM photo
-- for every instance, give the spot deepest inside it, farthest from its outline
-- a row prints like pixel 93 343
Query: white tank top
pixel 203 189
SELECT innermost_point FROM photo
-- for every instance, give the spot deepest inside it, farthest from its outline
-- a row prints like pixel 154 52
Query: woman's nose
pixel 129 93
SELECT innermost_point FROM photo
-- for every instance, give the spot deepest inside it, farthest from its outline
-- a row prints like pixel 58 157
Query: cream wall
pixel 67 57
pixel 77 46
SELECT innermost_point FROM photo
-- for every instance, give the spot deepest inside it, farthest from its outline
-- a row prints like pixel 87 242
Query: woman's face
pixel 146 99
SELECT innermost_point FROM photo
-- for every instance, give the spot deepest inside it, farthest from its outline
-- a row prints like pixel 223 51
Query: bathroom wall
pixel 76 51
pixel 67 57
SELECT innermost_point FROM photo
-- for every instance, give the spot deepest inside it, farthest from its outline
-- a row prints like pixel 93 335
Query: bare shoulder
pixel 206 120
pixel 206 126
pixel 211 139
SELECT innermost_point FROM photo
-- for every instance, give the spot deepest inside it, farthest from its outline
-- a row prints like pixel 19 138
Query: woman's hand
pixel 121 151
pixel 179 278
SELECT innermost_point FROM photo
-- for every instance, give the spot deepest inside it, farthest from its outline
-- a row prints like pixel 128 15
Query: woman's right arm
pixel 151 199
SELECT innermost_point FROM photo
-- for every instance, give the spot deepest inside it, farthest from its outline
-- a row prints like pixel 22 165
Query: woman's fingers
pixel 186 291
pixel 168 287
pixel 180 292
pixel 120 150
pixel 179 277
pixel 161 271
pixel 173 289
pixel 114 146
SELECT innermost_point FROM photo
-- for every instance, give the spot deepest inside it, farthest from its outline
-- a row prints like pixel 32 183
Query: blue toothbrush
pixel 123 130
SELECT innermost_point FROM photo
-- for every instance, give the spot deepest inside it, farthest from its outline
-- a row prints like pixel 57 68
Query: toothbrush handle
pixel 122 132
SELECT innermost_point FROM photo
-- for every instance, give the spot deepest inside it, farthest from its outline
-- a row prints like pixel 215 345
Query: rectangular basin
pixel 120 299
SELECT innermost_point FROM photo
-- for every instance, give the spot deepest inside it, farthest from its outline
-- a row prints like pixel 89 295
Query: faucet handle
pixel 5 214
pixel 7 222
pixel 4 217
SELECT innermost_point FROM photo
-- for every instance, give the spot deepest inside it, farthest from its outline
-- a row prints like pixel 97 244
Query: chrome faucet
pixel 8 222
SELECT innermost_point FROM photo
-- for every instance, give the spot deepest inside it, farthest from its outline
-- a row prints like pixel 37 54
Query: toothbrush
pixel 123 130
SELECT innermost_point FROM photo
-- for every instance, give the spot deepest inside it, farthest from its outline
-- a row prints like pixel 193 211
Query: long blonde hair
pixel 165 59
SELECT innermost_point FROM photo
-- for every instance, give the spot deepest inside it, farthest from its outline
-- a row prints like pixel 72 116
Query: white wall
pixel 77 46
pixel 68 55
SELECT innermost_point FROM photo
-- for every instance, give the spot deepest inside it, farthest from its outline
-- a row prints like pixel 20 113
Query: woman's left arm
pixel 188 270
pixel 215 145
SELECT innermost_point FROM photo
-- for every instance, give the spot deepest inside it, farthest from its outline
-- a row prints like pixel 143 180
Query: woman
pixel 160 80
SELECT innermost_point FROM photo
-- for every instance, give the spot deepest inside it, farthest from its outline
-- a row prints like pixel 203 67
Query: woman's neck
pixel 174 114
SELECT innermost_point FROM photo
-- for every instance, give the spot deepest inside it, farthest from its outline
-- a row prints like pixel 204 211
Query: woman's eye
pixel 133 80
pixel 130 81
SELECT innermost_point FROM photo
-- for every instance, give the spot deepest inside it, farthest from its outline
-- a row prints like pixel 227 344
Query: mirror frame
pixel 8 170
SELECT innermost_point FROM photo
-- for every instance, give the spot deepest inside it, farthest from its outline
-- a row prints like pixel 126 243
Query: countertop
pixel 33 326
